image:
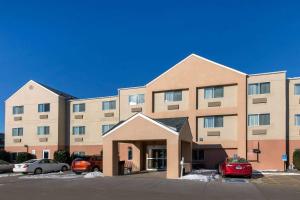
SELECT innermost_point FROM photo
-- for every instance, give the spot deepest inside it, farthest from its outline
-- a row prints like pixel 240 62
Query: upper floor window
pixel 213 92
pixel 43 130
pixel 44 107
pixel 173 96
pixel 17 132
pixel 213 122
pixel 297 120
pixel 136 99
pixel 79 107
pixel 78 130
pixel 106 127
pixel 109 105
pixel 297 89
pixel 258 119
pixel 259 88
pixel 18 110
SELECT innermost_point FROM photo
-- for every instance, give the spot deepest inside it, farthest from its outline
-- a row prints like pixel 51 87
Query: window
pixel 173 96
pixel 213 92
pixel 43 130
pixel 79 107
pixel 198 154
pixel 213 122
pixel 46 156
pixel 136 99
pixel 79 153
pixel 297 120
pixel 259 88
pixel 17 132
pixel 297 89
pixel 108 105
pixel 44 107
pixel 129 153
pixel 18 110
pixel 258 119
pixel 106 127
pixel 78 130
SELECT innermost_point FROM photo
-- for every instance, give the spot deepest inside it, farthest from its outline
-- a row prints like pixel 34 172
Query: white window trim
pixel 46 150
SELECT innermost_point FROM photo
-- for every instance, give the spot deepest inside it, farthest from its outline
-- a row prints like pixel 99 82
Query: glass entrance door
pixel 157 158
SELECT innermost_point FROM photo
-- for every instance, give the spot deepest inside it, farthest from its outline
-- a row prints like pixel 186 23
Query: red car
pixel 87 164
pixel 235 167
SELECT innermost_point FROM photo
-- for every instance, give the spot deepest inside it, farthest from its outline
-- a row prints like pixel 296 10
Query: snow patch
pixel 59 175
pixel 276 173
pixel 93 175
pixel 203 175
pixel 10 174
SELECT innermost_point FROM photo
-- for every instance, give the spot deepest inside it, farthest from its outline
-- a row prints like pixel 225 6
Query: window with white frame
pixel 79 107
pixel 213 92
pixel 297 120
pixel 17 132
pixel 78 130
pixel 43 130
pixel 259 88
pixel 136 99
pixel 258 119
pixel 213 121
pixel 44 107
pixel 106 127
pixel 18 110
pixel 297 89
pixel 173 96
pixel 109 105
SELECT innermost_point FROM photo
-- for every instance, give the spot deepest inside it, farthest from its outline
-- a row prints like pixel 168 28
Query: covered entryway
pixel 157 144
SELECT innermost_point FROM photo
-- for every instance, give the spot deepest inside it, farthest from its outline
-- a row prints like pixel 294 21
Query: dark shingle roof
pixel 175 123
pixel 58 92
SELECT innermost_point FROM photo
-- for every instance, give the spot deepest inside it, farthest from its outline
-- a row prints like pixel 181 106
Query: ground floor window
pixel 198 154
pixel 79 153
pixel 46 154
pixel 129 153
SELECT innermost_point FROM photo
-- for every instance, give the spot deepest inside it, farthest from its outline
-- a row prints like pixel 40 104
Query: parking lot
pixel 70 186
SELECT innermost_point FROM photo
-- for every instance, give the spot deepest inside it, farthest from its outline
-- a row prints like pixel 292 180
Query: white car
pixel 39 166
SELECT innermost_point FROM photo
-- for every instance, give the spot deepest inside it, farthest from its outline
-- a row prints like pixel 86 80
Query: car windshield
pixel 3 162
pixel 30 161
pixel 237 160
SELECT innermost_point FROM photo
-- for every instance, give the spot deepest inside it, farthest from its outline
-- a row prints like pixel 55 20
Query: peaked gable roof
pixel 172 125
pixel 198 57
pixel 54 91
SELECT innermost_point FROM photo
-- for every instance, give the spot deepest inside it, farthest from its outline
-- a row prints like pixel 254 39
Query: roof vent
pixel 31 87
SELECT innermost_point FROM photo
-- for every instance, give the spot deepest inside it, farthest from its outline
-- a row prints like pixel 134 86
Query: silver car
pixel 5 166
pixel 39 166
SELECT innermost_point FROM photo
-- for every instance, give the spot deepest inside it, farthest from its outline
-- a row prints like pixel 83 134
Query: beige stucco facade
pixel 29 96
pixel 193 80
pixel 126 110
pixel 92 118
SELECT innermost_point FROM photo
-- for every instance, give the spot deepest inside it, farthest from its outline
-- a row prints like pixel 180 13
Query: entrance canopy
pixel 139 127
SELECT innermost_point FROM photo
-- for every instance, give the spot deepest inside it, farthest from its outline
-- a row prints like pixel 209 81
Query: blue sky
pixel 76 46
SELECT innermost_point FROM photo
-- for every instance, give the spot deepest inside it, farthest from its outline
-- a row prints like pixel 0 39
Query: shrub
pixel 4 155
pixel 296 159
pixel 24 156
pixel 62 156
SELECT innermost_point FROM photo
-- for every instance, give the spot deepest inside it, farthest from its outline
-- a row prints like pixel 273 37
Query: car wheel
pixel 96 169
pixel 38 171
pixel 64 168
pixel 78 173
